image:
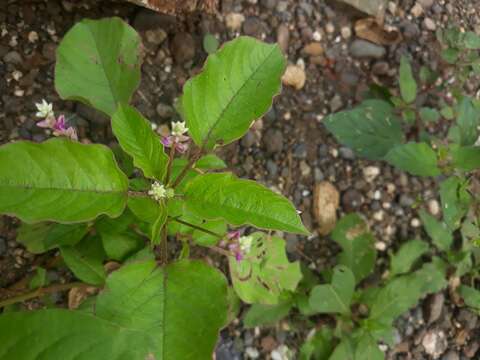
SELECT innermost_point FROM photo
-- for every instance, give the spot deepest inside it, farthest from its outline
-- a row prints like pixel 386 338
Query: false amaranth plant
pixel 88 202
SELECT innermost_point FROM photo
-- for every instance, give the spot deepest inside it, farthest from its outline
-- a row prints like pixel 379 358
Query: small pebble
pixel 370 173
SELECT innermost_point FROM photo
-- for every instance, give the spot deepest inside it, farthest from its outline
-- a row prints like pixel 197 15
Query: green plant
pixel 88 201
pixel 363 315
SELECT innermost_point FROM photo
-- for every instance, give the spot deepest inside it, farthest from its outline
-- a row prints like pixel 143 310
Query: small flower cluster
pixel 58 125
pixel 159 192
pixel 238 245
pixel 177 139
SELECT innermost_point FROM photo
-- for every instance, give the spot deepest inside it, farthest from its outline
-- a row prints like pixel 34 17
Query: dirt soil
pixel 288 150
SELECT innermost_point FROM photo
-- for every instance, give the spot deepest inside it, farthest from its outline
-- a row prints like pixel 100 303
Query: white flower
pixel 158 191
pixel 178 128
pixel 282 353
pixel 45 109
pixel 245 243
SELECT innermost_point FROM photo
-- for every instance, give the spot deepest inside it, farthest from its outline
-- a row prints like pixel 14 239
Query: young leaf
pixel 139 316
pixel 241 202
pixel 319 346
pixel 60 180
pixel 416 158
pixel 41 237
pixel 137 139
pixel 265 273
pixel 455 201
pixel 210 43
pixel 367 349
pixel 39 279
pixel 265 315
pixel 235 88
pixel 468 121
pixel 429 115
pixel 86 260
pixel 466 158
pixel 408 85
pixel 450 55
pixel 343 351
pixel 357 243
pixel 104 70
pixel 370 129
pixel 402 261
pixel 471 296
pixel 472 40
pixel 438 231
pixel 334 297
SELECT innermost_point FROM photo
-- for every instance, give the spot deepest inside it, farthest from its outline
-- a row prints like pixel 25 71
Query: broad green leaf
pixel 241 202
pixel 393 300
pixel 120 246
pixel 266 315
pixel 204 239
pixel 205 163
pixel 151 211
pixel 416 158
pixel 367 349
pixel 118 225
pixel 60 180
pixel 319 346
pixel 468 121
pixel 137 139
pixel 471 296
pixel 370 129
pixel 358 251
pixel 472 40
pixel 210 162
pixel 402 261
pixel 41 237
pixel 455 200
pixel 343 351
pixel 408 85
pixel 466 158
pixel 140 316
pixel 86 260
pixel 158 224
pixel 235 88
pixel 265 272
pixel 98 63
pixel 334 297
pixel 438 231
pixel 429 115
pixel 39 279
pixel 210 43
pixel 447 112
pixel 450 55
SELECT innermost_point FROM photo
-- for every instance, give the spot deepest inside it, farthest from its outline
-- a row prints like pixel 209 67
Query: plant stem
pixel 170 163
pixel 40 292
pixel 199 228
pixel 187 167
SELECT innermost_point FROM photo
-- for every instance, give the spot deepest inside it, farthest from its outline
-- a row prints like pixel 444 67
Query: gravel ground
pixel 289 149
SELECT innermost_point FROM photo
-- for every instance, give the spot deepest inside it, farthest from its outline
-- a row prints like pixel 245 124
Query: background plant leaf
pixel 408 85
pixel 402 261
pixel 415 158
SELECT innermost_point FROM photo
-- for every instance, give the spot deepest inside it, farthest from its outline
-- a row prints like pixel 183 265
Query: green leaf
pixel 151 211
pixel 39 279
pixel 343 351
pixel 367 349
pixel 264 273
pixel 416 158
pixel 334 297
pixel 402 261
pixel 158 224
pixel 408 85
pixel 450 55
pixel 319 346
pixel 429 115
pixel 370 129
pixel 241 202
pixel 86 260
pixel 41 237
pixel 468 121
pixel 139 316
pixel 210 43
pixel 266 315
pixel 466 158
pixel 447 112
pixel 235 88
pixel 471 296
pixel 137 139
pixel 393 300
pixel 119 246
pixel 438 231
pixel 98 63
pixel 472 41
pixel 455 200
pixel 60 180
pixel 358 251
pixel 210 162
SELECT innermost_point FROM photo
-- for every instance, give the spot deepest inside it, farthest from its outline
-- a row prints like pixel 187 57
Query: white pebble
pixel 370 173
pixel 32 36
pixel 415 223
pixel 380 246
pixel 434 207
pixel 317 35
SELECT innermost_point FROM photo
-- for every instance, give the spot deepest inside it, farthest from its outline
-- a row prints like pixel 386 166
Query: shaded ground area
pixel 289 149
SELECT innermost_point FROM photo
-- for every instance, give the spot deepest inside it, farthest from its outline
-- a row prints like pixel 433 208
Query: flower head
pixel 158 191
pixel 179 128
pixel 245 243
pixel 45 109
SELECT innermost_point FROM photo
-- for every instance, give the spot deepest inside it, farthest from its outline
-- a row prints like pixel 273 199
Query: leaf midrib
pixel 96 191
